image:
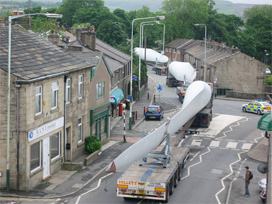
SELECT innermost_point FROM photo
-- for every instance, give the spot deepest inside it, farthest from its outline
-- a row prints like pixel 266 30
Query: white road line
pixel 215 144
pixel 200 161
pixel 231 145
pixel 98 185
pixel 194 156
pixel 180 143
pixel 230 127
pixel 196 142
pixel 222 180
pixel 246 146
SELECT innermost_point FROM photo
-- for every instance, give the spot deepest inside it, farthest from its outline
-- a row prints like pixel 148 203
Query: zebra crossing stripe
pixel 214 144
pixel 246 146
pixel 231 145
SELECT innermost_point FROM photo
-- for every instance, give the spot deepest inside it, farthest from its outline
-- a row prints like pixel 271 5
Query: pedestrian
pixel 247 181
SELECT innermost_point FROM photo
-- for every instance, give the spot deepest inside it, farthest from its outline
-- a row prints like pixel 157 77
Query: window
pixel 79 130
pixel 80 86
pixel 100 90
pixel 35 162
pixel 55 145
pixel 68 91
pixel 38 100
pixel 166 50
pixel 54 97
pixel 92 73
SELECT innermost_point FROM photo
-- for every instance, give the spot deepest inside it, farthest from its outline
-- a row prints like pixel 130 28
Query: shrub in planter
pixel 92 144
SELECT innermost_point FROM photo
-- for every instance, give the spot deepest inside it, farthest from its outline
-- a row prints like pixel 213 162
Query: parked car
pixel 263 196
pixel 154 112
pixel 258 106
pixel 267 71
pixel 262 184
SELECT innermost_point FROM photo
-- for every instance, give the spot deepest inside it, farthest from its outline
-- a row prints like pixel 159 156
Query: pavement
pixel 67 183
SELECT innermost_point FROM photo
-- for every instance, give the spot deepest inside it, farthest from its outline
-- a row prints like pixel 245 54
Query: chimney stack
pixel 87 36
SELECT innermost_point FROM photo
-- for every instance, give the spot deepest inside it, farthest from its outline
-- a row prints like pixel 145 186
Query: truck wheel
pixel 176 179
pixel 179 173
pixel 171 185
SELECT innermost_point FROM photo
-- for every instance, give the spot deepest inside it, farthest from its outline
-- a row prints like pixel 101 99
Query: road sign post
pixel 159 88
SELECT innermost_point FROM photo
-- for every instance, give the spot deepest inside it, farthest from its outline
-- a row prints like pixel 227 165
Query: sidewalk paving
pixel 65 183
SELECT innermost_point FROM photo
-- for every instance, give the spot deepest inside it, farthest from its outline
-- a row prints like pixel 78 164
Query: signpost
pixel 159 88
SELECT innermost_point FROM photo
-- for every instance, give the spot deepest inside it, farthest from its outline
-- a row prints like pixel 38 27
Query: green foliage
pixel 268 81
pixel 42 24
pixel 111 33
pixel 33 10
pixel 92 144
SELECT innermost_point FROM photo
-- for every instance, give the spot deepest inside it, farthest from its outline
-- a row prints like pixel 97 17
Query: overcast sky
pixel 252 1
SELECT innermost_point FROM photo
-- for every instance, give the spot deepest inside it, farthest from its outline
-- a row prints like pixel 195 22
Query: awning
pixel 116 96
pixel 265 122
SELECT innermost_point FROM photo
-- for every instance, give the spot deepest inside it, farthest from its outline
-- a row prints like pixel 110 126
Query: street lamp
pixel 131 63
pixel 140 46
pixel 10 18
pixel 124 119
pixel 205 67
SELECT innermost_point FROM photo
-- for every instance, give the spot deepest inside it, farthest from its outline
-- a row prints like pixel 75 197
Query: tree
pixel 258 26
pixel 69 8
pixel 111 32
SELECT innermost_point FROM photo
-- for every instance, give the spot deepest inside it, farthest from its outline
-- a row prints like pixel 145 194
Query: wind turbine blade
pixel 196 98
pixel 138 150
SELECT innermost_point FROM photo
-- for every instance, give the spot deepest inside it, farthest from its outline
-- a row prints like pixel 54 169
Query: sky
pixel 252 1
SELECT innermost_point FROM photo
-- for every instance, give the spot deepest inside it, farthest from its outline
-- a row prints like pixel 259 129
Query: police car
pixel 259 107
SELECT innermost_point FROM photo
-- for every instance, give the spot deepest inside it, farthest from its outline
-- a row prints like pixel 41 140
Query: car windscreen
pixel 266 104
pixel 152 110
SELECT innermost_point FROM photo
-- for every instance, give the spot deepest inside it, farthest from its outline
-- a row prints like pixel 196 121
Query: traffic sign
pixel 159 87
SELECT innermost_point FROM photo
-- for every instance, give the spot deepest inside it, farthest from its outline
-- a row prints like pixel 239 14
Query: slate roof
pixel 111 52
pixel 33 57
pixel 179 43
pixel 213 52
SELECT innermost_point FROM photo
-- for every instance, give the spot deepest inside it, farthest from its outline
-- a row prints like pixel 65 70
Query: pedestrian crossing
pixel 222 144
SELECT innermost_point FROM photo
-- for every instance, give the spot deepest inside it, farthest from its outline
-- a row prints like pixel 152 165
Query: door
pixel 69 139
pixel 46 158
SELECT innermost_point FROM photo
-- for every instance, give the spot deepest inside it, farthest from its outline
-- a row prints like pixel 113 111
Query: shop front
pixel 116 96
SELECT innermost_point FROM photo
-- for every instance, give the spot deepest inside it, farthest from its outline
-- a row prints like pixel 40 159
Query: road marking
pixel 231 145
pixel 246 146
pixel 215 144
pixel 200 161
pixel 98 185
pixel 222 180
pixel 195 156
pixel 196 142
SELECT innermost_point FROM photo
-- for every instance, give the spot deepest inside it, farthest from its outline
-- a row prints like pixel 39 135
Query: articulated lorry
pixel 153 181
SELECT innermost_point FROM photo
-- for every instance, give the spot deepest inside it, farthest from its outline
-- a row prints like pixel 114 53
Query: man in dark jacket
pixel 247 181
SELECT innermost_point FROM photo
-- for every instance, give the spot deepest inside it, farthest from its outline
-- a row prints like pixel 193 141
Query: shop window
pixel 38 100
pixel 68 91
pixel 54 97
pixel 55 145
pixel 79 130
pixel 35 157
pixel 100 90
pixel 80 86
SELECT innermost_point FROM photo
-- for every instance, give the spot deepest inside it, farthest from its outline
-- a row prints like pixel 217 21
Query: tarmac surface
pixel 66 183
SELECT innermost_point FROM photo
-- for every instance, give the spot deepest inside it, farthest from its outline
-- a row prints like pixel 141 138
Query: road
pixel 215 171
pixel 219 154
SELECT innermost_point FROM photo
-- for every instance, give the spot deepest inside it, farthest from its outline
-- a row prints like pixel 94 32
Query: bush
pixel 92 144
pixel 268 81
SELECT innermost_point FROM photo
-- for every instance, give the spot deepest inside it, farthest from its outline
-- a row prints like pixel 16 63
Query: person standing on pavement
pixel 247 181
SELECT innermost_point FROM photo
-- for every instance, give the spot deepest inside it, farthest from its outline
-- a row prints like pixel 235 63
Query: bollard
pixel 148 96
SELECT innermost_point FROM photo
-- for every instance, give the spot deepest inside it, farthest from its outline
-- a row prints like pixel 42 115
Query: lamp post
pixel 205 67
pixel 140 46
pixel 124 119
pixel 10 18
pixel 131 63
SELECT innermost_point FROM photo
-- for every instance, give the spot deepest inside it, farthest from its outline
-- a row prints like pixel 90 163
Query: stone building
pixel 54 98
pixel 227 67
pixel 117 61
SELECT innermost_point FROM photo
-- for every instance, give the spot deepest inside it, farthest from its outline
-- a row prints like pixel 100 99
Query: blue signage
pixel 159 87
pixel 134 78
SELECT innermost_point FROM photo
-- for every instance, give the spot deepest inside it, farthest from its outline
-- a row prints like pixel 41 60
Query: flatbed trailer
pixel 153 181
